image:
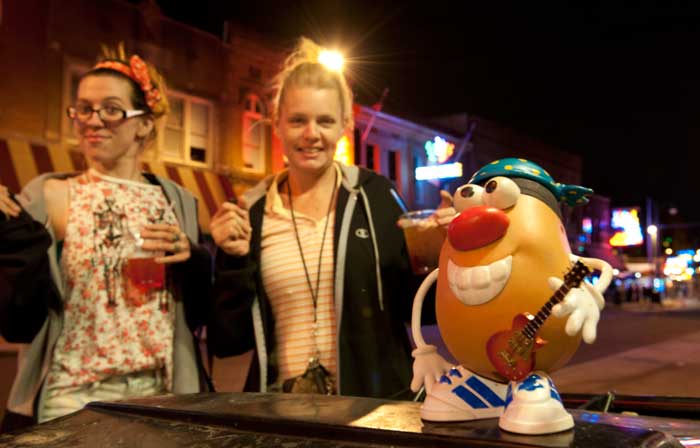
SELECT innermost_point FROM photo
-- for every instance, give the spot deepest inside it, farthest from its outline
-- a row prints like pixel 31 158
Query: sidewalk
pixel 668 304
pixel 670 366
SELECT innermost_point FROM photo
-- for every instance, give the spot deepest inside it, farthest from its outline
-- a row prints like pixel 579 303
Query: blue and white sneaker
pixel 461 395
pixel 533 406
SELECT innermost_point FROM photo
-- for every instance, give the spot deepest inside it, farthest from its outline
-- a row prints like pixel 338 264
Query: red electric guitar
pixel 512 352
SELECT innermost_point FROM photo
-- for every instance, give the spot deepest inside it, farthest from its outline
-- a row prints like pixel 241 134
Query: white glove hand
pixel 445 211
pixel 428 367
pixel 583 304
pixel 444 216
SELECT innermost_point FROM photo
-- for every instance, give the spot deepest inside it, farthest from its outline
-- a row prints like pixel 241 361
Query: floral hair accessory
pixel 138 72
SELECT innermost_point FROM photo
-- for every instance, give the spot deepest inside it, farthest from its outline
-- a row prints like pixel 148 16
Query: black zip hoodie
pixel 373 300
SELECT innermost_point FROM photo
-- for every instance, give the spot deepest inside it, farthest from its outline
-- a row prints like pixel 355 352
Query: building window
pixel 188 136
pixel 369 151
pixel 357 146
pixel 394 161
pixel 254 129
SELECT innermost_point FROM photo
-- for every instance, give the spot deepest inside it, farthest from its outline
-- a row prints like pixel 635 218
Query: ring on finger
pixel 176 247
pixel 176 237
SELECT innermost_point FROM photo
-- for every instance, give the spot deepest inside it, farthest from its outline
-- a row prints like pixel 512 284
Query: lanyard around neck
pixel 314 292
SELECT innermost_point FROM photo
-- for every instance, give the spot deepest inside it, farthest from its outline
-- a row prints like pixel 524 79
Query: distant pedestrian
pixel 655 297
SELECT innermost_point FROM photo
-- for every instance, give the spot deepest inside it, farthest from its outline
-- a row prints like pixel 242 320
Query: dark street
pixel 641 350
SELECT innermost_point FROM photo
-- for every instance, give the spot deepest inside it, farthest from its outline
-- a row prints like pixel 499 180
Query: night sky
pixel 618 85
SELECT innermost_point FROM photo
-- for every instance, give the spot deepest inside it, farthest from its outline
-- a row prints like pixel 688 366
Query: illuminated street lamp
pixel 332 60
pixel 653 232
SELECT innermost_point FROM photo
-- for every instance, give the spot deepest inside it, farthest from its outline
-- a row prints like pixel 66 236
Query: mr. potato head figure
pixel 511 302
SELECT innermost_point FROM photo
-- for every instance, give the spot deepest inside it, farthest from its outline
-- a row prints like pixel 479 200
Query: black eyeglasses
pixel 108 114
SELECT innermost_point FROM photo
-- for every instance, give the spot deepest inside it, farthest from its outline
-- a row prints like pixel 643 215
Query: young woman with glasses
pixel 87 284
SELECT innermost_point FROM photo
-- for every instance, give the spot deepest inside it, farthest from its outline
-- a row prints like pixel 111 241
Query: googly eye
pixel 501 192
pixel 467 196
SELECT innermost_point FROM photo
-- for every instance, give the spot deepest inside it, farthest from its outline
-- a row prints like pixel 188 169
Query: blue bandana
pixel 512 167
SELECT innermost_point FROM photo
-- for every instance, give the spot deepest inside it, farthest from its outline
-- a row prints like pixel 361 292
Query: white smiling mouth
pixel 478 284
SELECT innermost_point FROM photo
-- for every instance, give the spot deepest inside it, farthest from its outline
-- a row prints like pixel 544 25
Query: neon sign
pixel 439 150
pixel 445 171
pixel 628 230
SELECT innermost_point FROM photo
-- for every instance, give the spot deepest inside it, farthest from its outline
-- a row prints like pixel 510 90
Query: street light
pixel 332 60
pixel 653 232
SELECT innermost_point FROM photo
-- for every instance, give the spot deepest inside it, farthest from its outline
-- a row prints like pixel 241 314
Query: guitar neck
pixel 534 325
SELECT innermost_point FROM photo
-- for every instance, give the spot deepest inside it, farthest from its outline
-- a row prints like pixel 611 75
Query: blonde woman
pixel 102 325
pixel 312 270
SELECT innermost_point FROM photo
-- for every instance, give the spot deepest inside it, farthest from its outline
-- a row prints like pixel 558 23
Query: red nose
pixel 477 227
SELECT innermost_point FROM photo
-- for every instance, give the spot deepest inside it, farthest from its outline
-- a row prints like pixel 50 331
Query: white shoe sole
pixel 536 410
pixel 565 422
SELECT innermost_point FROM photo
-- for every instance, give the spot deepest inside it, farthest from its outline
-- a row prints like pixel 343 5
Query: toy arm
pixel 418 307
pixel 605 275
pixel 428 365
pixel 445 212
pixel 583 304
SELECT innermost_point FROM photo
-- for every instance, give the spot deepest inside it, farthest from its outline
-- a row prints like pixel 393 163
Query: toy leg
pixel 533 406
pixel 462 395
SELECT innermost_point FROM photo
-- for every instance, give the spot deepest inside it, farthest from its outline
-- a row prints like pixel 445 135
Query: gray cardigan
pixel 34 359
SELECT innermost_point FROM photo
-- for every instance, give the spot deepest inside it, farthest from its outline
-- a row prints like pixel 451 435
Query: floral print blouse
pixel 111 326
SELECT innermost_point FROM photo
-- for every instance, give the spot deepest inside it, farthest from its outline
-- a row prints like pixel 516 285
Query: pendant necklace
pixel 314 293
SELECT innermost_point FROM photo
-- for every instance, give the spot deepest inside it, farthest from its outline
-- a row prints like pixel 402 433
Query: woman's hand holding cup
pixel 169 240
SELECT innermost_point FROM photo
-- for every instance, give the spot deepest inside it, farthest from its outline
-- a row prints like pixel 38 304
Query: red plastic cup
pixel 145 274
pixel 142 275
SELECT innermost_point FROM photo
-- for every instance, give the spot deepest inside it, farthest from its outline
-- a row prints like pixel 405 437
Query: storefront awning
pixel 21 161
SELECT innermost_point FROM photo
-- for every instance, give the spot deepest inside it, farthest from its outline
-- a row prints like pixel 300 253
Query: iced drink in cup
pixel 424 238
pixel 141 273
pixel 144 273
